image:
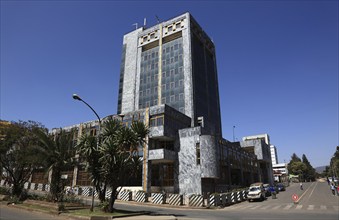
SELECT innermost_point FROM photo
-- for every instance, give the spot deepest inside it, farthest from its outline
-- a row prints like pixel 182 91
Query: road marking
pixel 288 207
pixel 304 193
pixel 312 191
pixel 255 207
pixel 299 207
pixel 265 207
pixel 246 207
pixel 323 207
pixel 276 207
pixel 310 207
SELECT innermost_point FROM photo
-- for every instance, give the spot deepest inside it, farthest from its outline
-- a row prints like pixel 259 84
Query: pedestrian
pixel 338 190
pixel 301 186
pixel 333 189
pixel 328 181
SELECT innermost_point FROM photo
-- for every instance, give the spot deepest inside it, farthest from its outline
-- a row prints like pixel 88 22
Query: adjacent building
pixel 260 146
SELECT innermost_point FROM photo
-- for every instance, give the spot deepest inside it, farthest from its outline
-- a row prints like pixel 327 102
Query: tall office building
pixel 171 63
pixel 169 75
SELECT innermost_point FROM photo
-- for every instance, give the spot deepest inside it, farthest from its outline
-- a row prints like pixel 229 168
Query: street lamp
pixel 233 133
pixel 76 97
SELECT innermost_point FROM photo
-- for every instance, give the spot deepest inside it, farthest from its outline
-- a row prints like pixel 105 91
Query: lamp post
pixel 233 133
pixel 76 97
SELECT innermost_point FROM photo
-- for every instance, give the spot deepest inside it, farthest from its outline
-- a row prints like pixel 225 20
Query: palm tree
pixel 119 161
pixel 88 150
pixel 57 154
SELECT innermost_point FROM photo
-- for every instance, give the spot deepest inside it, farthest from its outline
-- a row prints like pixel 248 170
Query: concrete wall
pixel 189 172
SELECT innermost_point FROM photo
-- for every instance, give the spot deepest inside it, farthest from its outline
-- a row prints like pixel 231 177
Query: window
pixel 181 96
pixel 170 28
pixel 181 82
pixel 83 178
pixel 157 121
pixel 93 132
pixel 172 85
pixel 197 148
pixel 168 179
pixel 172 98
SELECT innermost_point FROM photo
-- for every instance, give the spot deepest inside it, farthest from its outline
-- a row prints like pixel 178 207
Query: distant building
pixel 280 172
pixel 274 155
pixel 260 146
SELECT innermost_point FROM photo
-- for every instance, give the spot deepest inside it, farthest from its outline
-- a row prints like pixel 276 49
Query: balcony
pixel 161 156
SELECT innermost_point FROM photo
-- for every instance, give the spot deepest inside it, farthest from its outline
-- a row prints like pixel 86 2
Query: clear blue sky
pixel 277 64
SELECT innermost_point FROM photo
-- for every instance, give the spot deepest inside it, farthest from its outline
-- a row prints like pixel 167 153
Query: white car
pixel 256 192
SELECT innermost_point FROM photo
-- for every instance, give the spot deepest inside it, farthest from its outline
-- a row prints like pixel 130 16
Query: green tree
pixel 309 174
pixel 334 164
pixel 18 153
pixel 119 158
pixel 296 166
pixel 90 154
pixel 57 154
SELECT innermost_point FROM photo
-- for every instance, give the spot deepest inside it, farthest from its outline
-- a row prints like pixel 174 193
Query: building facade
pixel 260 146
pixel 274 155
pixel 172 65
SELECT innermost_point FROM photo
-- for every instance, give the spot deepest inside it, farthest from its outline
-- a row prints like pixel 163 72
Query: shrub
pixel 4 191
pixel 104 206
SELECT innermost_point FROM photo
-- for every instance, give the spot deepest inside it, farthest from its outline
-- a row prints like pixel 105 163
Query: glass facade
pixel 172 92
pixel 121 82
pixel 148 90
pixel 172 79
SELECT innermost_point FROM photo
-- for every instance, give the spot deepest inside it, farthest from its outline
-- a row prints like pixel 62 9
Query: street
pixel 315 202
pixel 12 213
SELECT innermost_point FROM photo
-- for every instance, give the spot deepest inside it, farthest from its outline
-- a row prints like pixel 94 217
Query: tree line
pixel 302 168
pixel 333 169
pixel 111 157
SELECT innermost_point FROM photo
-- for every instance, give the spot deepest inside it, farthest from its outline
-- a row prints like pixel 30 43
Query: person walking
pixel 333 189
pixel 338 190
pixel 301 186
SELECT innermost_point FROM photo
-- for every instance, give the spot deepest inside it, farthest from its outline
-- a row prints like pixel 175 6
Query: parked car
pixel 274 188
pixel 267 189
pixel 281 187
pixel 256 192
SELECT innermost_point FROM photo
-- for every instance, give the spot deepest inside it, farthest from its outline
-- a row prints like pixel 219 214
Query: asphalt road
pixel 12 213
pixel 315 202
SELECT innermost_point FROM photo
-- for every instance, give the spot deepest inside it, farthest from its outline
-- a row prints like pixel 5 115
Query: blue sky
pixel 277 64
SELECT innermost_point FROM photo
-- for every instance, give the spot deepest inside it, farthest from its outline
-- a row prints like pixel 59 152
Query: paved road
pixel 316 197
pixel 316 202
pixel 11 213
